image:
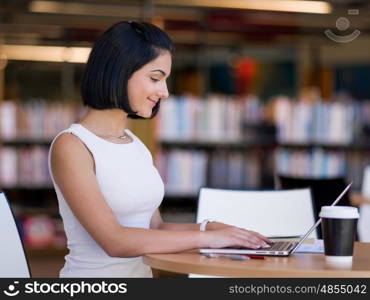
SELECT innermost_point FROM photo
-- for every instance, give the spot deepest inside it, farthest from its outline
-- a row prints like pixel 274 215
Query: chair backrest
pixel 271 213
pixel 13 262
pixel 324 191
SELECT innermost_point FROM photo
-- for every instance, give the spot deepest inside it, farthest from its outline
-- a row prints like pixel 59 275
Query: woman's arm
pixel 72 166
pixel 157 223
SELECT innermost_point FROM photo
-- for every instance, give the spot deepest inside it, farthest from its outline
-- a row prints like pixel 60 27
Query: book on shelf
pixel 35 118
pixel 185 171
pixel 43 231
pixel 182 171
pixel 303 122
pixel 8 167
pixel 8 120
pixel 234 170
pixel 26 166
pixel 313 163
pixel 214 118
pixel 34 123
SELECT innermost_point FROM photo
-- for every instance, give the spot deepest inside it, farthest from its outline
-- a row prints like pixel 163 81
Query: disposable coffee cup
pixel 338 226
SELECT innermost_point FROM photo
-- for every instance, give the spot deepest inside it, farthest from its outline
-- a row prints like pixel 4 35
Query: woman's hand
pixel 231 236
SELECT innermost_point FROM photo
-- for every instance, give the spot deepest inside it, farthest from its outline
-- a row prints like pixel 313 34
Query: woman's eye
pixel 154 79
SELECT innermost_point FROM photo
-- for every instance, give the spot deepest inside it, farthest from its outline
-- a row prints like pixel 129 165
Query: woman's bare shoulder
pixel 67 142
pixel 68 147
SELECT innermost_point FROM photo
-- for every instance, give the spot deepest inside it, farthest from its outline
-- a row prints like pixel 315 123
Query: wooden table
pixel 296 265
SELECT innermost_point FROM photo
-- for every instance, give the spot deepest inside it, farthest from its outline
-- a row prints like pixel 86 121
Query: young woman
pixel 107 186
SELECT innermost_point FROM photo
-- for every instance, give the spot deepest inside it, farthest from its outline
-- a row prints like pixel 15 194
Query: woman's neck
pixel 105 122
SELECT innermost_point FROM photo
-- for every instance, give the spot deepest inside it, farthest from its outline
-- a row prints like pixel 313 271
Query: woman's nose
pixel 164 92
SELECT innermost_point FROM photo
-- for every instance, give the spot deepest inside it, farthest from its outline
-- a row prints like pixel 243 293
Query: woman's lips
pixel 153 102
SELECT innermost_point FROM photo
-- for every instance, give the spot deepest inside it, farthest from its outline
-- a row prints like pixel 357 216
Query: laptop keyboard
pixel 276 246
pixel 279 246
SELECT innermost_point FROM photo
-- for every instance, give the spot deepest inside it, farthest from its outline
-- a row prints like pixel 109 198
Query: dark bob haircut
pixel 120 51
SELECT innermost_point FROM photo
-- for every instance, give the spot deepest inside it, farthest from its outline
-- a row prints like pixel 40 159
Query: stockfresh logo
pixel 342 24
pixel 12 289
pixel 65 288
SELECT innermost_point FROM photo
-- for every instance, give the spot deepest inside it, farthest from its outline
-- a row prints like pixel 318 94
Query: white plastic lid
pixel 339 212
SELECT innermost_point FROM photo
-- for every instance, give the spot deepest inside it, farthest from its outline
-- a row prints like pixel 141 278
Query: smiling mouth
pixel 154 102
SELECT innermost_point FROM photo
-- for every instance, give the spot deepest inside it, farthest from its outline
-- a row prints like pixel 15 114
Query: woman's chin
pixel 145 114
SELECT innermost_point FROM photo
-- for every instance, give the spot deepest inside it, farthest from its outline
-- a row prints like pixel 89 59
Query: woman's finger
pixel 259 238
pixel 262 237
pixel 251 239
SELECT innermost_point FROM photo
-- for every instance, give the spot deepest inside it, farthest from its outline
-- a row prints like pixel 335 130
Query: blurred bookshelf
pixel 218 141
pixel 323 139
pixel 316 139
pixel 26 130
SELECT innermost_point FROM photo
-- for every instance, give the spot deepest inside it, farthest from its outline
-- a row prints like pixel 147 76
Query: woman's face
pixel 148 84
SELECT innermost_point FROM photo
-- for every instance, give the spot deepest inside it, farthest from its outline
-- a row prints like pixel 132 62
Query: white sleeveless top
pixel 133 189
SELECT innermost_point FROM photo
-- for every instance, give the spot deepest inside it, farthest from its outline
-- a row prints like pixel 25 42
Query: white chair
pixel 13 262
pixel 283 213
pixel 271 213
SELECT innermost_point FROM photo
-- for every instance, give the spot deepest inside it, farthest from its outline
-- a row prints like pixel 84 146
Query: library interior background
pixel 257 90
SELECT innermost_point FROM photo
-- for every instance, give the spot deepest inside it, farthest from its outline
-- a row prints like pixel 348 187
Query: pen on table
pixel 256 256
pixel 233 256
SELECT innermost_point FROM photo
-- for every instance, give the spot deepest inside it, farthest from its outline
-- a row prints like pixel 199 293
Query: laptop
pixel 278 248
